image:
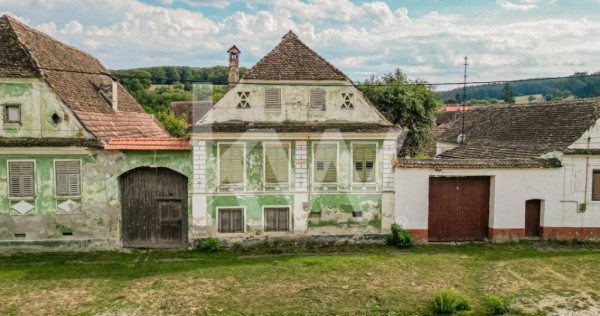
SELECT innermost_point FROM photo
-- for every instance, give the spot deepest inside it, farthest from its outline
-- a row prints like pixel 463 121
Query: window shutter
pixel 273 99
pixel 596 186
pixel 369 158
pixel 231 169
pixel 276 168
pixel 325 163
pixel 231 220
pixel 277 219
pixel 317 99
pixel 364 163
pixel 21 181
pixel 68 178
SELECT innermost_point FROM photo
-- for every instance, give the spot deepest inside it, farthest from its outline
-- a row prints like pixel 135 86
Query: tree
pixel 458 98
pixel 531 98
pixel 412 106
pixel 509 97
pixel 176 126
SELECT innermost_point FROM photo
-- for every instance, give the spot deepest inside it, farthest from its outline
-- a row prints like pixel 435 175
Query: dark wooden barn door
pixel 458 208
pixel 154 208
pixel 532 218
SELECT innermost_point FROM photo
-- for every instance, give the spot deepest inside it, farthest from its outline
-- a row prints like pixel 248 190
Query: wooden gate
pixel 458 208
pixel 155 203
pixel 532 218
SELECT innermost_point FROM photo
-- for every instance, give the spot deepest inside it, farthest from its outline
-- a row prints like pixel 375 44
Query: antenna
pixel 462 136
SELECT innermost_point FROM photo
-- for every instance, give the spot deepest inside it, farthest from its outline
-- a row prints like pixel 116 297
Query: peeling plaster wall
pixel 578 183
pixel 98 217
pixel 38 104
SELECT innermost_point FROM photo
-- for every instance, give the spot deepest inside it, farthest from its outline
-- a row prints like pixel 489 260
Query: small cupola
pixel 234 66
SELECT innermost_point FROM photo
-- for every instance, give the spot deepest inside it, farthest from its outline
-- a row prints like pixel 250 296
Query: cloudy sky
pixel 504 39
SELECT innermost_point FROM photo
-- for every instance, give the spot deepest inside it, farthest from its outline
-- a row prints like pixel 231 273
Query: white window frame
pixel 265 184
pixel 56 196
pixel 218 208
pixel 264 224
pixel 376 164
pixel 231 185
pixel 5 120
pixel 337 163
pixel 35 184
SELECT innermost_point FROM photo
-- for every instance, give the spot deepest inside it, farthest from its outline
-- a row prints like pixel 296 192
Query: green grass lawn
pixel 543 277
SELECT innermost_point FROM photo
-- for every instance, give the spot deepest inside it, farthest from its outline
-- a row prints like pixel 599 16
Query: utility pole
pixel 462 136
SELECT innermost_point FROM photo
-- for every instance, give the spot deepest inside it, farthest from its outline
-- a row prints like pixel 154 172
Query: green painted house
pixel 74 148
pixel 293 149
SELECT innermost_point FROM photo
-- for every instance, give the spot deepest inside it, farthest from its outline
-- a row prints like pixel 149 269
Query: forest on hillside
pixel 579 85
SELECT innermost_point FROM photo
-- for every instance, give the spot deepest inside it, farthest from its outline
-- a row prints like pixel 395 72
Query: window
pixel 68 178
pixel 12 113
pixel 21 178
pixel 231 163
pixel 277 219
pixel 277 159
pixel 596 186
pixel 231 220
pixel 348 101
pixel 272 99
pixel 243 100
pixel 317 99
pixel 363 159
pixel 325 166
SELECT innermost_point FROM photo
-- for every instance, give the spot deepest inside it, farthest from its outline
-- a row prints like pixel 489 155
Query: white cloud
pixel 72 27
pixel 525 5
pixel 48 28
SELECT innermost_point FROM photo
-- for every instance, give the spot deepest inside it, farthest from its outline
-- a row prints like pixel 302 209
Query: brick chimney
pixel 234 66
pixel 108 89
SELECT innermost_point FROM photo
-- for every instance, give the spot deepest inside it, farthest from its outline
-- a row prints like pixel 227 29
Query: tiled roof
pixel 477 163
pixel 74 75
pixel 194 110
pixel 149 144
pixel 52 142
pixel 521 131
pixel 239 126
pixel 294 60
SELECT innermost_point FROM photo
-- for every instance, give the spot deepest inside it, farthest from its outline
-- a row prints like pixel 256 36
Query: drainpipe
pixel 583 206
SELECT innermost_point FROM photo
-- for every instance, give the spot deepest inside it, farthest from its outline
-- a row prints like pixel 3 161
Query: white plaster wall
pixel 578 183
pixel 510 188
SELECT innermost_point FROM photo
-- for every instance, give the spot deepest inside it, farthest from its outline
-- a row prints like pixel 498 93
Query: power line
pixel 415 83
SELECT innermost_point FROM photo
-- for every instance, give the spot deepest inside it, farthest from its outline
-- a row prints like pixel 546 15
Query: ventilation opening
pixel 67 233
pixel 314 215
pixel 55 118
pixel 20 235
pixel 357 214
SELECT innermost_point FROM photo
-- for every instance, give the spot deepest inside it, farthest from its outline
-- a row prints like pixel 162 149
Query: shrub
pixel 497 305
pixel 212 244
pixel 448 301
pixel 401 238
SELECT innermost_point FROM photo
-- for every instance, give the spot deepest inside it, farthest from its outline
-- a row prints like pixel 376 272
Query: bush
pixel 448 301
pixel 212 244
pixel 497 305
pixel 401 238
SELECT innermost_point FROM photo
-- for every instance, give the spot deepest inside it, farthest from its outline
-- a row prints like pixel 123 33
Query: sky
pixel 426 39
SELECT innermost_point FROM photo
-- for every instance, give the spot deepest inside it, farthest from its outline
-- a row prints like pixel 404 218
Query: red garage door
pixel 458 208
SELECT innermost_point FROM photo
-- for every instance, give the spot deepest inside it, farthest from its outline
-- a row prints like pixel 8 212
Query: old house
pixel 521 171
pixel 81 164
pixel 293 148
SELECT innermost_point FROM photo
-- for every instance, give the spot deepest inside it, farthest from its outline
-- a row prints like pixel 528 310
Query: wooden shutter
pixel 325 163
pixel 231 220
pixel 21 178
pixel 277 219
pixel 596 186
pixel 317 99
pixel 363 158
pixel 276 163
pixel 68 178
pixel 231 159
pixel 273 99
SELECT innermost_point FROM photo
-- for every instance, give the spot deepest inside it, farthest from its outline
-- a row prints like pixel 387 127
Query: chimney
pixel 108 89
pixel 234 66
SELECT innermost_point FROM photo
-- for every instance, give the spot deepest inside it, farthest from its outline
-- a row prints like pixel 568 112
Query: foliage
pixel 168 75
pixel 497 305
pixel 401 238
pixel 410 103
pixel 448 301
pixel 212 244
pixel 531 98
pixel 176 126
pixel 509 97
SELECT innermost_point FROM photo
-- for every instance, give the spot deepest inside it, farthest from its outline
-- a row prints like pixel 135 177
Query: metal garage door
pixel 458 208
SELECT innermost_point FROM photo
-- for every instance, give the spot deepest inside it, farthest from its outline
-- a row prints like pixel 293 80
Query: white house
pixel 522 171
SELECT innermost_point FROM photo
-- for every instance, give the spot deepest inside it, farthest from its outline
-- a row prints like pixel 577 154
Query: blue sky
pixel 504 39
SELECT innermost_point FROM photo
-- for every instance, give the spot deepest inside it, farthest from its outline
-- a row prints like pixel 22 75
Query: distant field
pixel 524 99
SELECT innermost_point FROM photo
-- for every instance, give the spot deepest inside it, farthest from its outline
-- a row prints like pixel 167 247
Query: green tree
pixel 531 98
pixel 176 126
pixel 412 106
pixel 509 97
pixel 458 98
